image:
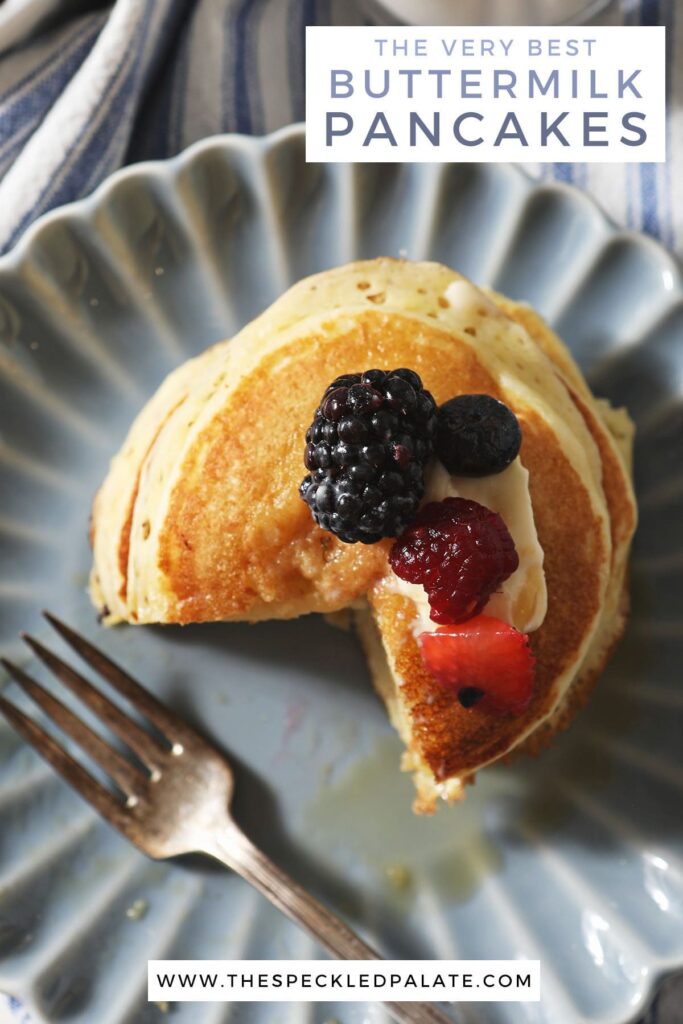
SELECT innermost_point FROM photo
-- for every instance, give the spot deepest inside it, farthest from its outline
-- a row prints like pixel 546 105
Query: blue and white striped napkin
pixel 12 1011
pixel 85 88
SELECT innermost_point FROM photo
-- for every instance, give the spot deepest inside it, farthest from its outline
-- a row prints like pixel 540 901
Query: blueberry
pixel 477 435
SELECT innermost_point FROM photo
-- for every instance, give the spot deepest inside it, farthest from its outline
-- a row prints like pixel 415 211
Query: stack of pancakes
pixel 200 517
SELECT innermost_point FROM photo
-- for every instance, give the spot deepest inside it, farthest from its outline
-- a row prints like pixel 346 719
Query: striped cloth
pixel 86 87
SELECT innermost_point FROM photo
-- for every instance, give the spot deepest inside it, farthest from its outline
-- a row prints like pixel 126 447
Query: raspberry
pixel 486 661
pixel 366 452
pixel 477 435
pixel 460 552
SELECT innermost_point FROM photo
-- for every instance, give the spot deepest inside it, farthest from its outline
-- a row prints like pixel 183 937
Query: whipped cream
pixel 522 601
pixel 466 300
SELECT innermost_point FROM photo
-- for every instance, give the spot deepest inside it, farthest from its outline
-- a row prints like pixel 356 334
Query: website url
pixel 347 981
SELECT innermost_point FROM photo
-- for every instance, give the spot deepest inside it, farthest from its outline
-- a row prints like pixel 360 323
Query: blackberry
pixel 477 435
pixel 366 451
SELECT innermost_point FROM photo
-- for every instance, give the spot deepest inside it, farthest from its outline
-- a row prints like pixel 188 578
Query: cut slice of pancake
pixel 200 517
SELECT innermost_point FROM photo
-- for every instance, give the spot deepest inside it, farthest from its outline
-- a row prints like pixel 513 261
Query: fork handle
pixel 233 849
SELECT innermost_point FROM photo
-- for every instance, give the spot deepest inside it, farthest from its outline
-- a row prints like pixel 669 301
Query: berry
pixel 335 404
pixel 487 662
pixel 477 435
pixel 408 375
pixel 460 552
pixel 351 428
pixel 377 377
pixel 366 452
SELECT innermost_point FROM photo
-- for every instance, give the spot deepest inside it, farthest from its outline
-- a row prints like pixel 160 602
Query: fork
pixel 176 798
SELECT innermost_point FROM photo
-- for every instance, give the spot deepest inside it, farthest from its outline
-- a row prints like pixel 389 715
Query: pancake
pixel 200 518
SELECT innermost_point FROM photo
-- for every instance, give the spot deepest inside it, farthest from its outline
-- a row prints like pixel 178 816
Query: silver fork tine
pixel 129 780
pixel 70 770
pixel 139 741
pixel 188 810
pixel 169 724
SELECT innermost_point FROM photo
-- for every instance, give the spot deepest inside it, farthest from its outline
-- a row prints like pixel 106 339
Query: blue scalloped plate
pixel 575 858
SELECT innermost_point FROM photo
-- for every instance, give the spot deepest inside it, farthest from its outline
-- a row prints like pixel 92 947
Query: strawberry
pixel 485 660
